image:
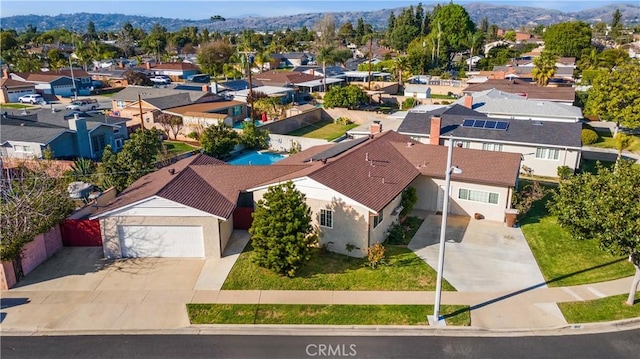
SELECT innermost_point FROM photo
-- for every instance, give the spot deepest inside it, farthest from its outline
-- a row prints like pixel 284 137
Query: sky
pixel 201 9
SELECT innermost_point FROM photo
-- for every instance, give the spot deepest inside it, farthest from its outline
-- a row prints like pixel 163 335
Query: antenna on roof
pixel 366 156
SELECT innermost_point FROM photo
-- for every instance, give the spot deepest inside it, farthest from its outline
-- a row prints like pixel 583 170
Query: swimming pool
pixel 257 158
pixel 240 125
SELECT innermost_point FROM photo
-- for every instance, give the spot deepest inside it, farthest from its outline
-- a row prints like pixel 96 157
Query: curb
pixel 346 330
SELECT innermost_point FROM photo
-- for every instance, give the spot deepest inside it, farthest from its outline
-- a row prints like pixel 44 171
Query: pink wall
pixel 34 253
pixel 7 276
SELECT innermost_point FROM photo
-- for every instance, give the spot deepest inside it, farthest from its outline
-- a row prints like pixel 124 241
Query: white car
pixel 161 80
pixel 32 99
pixel 84 105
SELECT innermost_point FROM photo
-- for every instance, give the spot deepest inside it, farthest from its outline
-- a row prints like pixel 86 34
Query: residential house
pixel 64 83
pixel 286 93
pixel 353 188
pixel 565 95
pixel 153 102
pixel 200 115
pixel 283 79
pixel 175 70
pixel 11 90
pixel 68 135
pixel 522 68
pixel 504 105
pixel 543 145
pixel 291 59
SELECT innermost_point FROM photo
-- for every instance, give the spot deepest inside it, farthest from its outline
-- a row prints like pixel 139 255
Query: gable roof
pixel 564 94
pixel 130 93
pixel 205 107
pixel 173 66
pixel 49 76
pixel 565 134
pixel 372 172
pixel 284 77
pixel 165 102
pixel 11 83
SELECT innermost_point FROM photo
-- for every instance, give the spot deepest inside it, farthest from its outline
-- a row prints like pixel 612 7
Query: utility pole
pixel 140 109
pixel 250 62
pixel 370 59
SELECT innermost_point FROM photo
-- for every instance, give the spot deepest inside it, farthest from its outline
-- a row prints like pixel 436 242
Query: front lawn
pixel 325 130
pixel 566 261
pixel 175 148
pixel 323 314
pixel 600 310
pixel 330 271
pixel 18 106
pixel 607 141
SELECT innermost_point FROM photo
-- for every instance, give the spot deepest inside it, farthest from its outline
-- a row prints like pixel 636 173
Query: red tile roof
pixel 10 83
pixel 533 91
pixel 372 173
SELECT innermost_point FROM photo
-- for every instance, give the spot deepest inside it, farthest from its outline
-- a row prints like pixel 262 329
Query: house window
pixel 547 153
pixel 237 110
pixel 478 196
pixel 118 143
pixel 492 147
pixel 20 148
pixel 120 104
pixel 377 219
pixel 326 218
pixel 98 143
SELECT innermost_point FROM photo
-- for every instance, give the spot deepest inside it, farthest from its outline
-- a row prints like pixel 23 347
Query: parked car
pixel 31 98
pixel 84 105
pixel 200 78
pixel 160 79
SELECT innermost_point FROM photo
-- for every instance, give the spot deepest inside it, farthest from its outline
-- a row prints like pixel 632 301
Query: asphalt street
pixel 625 344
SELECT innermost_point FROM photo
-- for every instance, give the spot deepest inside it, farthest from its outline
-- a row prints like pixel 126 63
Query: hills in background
pixel 504 16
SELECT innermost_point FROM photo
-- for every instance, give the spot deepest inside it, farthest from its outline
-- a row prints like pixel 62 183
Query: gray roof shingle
pixel 565 134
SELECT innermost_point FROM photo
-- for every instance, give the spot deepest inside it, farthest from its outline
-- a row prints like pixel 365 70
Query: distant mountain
pixel 502 15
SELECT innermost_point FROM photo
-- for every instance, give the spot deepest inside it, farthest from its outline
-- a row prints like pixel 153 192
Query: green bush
pixel 342 121
pixel 589 136
pixel 194 135
pixel 375 255
pixel 409 199
pixel 409 103
pixel 564 172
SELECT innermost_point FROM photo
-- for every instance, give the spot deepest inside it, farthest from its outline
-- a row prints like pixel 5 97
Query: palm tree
pixel 474 41
pixel 401 64
pixel 262 58
pixel 544 68
pixel 326 54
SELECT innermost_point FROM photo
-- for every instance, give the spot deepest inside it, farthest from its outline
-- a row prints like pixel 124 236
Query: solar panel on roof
pixel 468 123
pixel 338 149
pixel 490 124
pixel 502 125
pixel 479 124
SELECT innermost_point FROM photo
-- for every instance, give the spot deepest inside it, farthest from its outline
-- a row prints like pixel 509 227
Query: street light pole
pixel 443 228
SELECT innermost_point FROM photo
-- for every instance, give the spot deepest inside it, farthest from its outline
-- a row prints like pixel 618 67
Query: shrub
pixel 194 135
pixel 409 199
pixel 375 255
pixel 589 136
pixel 564 172
pixel 523 200
pixel 446 102
pixel 342 121
pixel 409 103
pixel 397 234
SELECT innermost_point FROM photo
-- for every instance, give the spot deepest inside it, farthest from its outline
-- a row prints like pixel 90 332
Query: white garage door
pixel 161 241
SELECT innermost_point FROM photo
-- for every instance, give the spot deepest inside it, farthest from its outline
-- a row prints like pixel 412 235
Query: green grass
pixel 331 271
pixel 326 130
pixel 177 148
pixel 443 97
pixel 607 141
pixel 17 106
pixel 323 314
pixel 563 260
pixel 600 310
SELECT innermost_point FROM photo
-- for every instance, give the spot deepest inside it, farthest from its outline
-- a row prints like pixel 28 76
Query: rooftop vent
pixel 172 171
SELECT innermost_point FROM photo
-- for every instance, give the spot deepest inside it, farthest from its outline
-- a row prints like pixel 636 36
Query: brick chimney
pixel 468 101
pixel 205 88
pixel 375 128
pixel 434 133
pixel 5 73
pixel 147 65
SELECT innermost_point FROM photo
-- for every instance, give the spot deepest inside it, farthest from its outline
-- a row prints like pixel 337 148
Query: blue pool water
pixel 240 125
pixel 257 158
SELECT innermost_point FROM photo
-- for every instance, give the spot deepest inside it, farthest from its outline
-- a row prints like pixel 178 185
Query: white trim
pixel 479 190
pixel 126 207
pixel 320 216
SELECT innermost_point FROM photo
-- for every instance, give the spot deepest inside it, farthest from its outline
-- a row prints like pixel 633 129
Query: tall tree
pixel 451 26
pixel 615 95
pixel 218 140
pixel 212 56
pixel 568 38
pixel 31 203
pixel 616 25
pixel 473 41
pixel 604 207
pixel 282 234
pixel 544 67
pixel 253 137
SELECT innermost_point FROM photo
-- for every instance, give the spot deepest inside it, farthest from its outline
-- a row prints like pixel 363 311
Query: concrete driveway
pixel 77 289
